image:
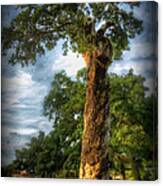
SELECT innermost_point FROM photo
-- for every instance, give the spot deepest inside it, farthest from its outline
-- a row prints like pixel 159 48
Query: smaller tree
pixel 131 120
pixel 64 106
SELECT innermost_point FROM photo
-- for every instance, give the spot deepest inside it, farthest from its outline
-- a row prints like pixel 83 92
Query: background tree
pixel 132 113
pixel 98 31
pixel 26 157
pixel 58 154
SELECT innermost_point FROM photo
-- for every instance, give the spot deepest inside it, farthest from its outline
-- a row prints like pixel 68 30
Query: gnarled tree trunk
pixel 94 155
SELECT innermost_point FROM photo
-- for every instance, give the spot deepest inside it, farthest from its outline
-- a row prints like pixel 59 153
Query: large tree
pixel 98 31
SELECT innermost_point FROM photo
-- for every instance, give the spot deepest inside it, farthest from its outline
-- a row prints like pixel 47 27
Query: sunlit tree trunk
pixel 94 155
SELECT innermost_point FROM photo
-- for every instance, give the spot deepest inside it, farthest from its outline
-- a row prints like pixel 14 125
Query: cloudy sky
pixel 24 89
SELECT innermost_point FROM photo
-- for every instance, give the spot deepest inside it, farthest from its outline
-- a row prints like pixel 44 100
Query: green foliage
pixel 37 27
pixel 58 153
pixel 130 141
pixel 130 101
pixel 26 157
pixel 132 124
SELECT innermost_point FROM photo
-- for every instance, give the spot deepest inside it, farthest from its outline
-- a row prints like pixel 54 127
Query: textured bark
pixel 94 155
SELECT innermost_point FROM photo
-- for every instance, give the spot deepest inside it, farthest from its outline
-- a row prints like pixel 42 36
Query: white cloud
pixel 20 131
pixel 139 67
pixel 21 87
pixel 70 63
pixel 140 50
pixel 23 106
pixel 22 119
pixel 22 79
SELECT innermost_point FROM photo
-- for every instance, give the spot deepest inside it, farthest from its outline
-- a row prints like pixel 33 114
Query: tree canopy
pixel 81 27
